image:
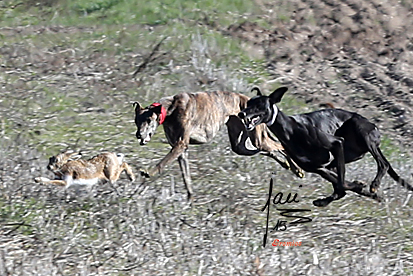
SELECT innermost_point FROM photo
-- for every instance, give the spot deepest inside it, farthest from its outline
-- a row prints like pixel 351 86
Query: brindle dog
pixel 195 118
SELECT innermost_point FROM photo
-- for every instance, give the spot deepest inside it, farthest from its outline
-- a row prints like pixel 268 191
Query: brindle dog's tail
pixel 395 176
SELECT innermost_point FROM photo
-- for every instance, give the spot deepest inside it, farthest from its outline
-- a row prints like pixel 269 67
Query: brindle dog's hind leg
pixel 286 162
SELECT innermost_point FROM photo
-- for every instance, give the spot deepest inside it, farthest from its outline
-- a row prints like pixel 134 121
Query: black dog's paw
pixel 144 173
pixel 368 193
pixel 360 183
pixel 322 202
pixel 377 197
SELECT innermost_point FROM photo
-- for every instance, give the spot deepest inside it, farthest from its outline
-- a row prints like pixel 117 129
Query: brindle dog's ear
pixel 138 107
pixel 258 91
pixel 276 96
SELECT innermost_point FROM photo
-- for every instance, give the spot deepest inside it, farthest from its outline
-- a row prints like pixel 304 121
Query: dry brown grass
pixel 72 86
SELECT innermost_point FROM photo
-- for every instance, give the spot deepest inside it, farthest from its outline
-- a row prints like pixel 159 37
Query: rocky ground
pixel 73 86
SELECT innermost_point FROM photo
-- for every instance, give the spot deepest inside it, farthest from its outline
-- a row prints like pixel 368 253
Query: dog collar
pixel 274 115
pixel 162 116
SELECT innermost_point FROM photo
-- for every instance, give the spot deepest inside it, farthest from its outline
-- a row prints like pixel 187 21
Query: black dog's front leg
pixel 338 182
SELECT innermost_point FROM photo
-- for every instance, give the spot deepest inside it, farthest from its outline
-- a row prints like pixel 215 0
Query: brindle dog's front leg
pixel 178 151
pixel 175 152
pixel 186 175
pixel 286 162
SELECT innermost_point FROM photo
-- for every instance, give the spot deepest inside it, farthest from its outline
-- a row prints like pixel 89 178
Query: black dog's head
pixel 261 109
pixel 146 120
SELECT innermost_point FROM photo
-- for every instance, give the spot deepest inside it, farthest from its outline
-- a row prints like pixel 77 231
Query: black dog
pixel 323 142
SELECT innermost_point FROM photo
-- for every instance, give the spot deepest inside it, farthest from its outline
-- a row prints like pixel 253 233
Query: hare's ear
pixel 256 88
pixel 276 96
pixel 75 155
pixel 67 152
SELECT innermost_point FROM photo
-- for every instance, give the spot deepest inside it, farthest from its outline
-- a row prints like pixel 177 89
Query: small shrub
pixel 99 5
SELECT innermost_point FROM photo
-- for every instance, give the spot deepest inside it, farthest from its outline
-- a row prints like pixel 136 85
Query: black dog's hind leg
pixel 382 167
pixel 362 136
pixel 372 140
pixel 355 186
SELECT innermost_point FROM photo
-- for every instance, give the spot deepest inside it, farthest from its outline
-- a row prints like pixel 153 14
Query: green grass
pixel 153 13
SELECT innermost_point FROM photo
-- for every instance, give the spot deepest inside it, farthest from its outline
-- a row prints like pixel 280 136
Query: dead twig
pixel 151 57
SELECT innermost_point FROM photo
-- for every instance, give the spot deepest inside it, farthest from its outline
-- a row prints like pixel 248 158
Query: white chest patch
pixel 330 159
pixel 274 115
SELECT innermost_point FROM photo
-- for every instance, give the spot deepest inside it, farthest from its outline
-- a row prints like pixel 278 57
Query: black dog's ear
pixel 138 107
pixel 157 109
pixel 276 96
pixel 258 91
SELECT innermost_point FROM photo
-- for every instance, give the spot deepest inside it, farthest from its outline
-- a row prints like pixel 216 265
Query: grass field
pixel 69 73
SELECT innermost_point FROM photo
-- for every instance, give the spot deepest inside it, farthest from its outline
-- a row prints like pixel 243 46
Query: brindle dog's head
pixel 146 120
pixel 261 109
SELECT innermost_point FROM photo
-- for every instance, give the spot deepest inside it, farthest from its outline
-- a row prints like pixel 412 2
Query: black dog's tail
pixel 395 176
pixel 399 180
